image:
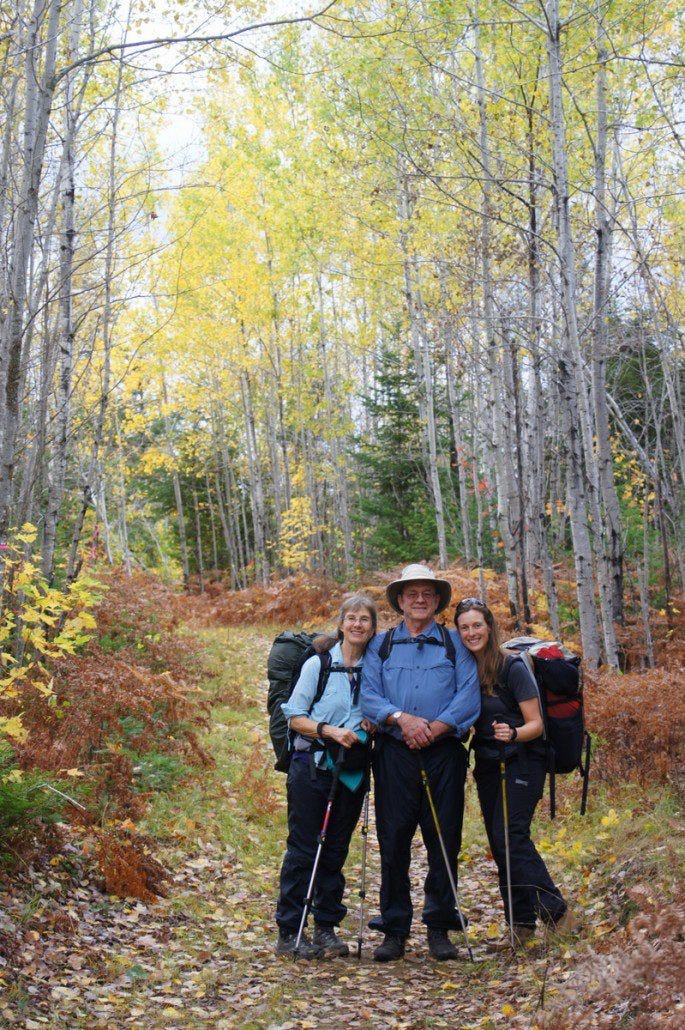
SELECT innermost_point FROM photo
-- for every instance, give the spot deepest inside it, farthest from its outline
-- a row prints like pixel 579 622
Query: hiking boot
pixel 440 945
pixel 326 938
pixel 391 949
pixel 568 924
pixel 287 940
pixel 522 934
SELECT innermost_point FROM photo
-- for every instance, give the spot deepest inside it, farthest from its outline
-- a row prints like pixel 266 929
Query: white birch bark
pixel 257 505
pixel 39 87
pixel 507 500
pixel 610 517
pixel 66 327
pixel 568 371
pixel 422 363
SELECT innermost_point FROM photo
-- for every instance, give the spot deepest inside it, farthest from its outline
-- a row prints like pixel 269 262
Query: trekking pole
pixel 585 769
pixel 453 885
pixel 322 840
pixel 362 889
pixel 507 858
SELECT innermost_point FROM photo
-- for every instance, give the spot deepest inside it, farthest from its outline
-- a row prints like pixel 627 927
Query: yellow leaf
pixel 74 772
pixel 13 728
pixel 507 1010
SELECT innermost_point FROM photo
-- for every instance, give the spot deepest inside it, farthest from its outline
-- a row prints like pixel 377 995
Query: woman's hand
pixel 340 735
pixel 503 732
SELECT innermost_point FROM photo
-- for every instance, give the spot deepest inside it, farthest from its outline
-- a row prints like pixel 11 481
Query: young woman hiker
pixel 509 730
pixel 319 731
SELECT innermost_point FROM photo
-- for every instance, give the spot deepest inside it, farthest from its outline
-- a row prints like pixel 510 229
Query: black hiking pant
pixel 307 800
pixel 401 807
pixel 533 892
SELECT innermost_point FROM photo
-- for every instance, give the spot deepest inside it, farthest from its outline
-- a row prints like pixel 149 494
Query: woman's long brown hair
pixel 490 661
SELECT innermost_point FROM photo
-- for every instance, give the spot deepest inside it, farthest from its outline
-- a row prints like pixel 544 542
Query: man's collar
pixel 431 630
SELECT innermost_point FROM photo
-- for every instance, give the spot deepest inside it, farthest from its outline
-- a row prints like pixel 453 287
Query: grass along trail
pixel 203 957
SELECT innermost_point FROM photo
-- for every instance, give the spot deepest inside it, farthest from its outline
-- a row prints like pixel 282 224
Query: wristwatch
pixel 396 715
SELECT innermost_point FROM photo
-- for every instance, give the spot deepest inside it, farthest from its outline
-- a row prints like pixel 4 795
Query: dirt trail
pixel 204 956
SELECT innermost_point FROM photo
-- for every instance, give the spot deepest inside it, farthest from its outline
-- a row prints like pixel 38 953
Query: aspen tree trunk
pixel 178 495
pixel 274 457
pixel 507 501
pixel 230 514
pixel 256 486
pixel 568 358
pixel 339 477
pixel 538 552
pixel 521 535
pixel 277 429
pixel 106 332
pixel 643 584
pixel 212 525
pixel 102 503
pixel 123 512
pixel 240 523
pixel 39 86
pixel 6 167
pixel 282 434
pixel 610 525
pixel 66 332
pixel 476 406
pixel 198 543
pixel 234 565
pixel 422 363
pixel 455 418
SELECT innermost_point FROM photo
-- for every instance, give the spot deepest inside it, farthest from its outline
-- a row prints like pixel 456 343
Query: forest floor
pixel 203 956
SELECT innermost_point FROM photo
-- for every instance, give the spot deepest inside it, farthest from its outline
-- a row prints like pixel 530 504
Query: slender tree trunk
pixel 212 525
pixel 66 333
pixel 610 518
pixel 507 501
pixel 458 453
pixel 39 87
pixel 422 363
pixel 568 359
pixel 520 534
pixel 340 479
pixel 176 481
pixel 256 486
pixel 198 543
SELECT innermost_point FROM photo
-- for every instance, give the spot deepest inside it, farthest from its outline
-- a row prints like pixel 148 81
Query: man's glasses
pixel 467 603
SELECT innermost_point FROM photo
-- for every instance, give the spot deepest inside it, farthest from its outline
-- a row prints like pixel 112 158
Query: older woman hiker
pixel 509 730
pixel 320 729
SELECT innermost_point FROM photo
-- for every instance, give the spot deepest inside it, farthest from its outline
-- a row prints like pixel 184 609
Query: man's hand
pixel 416 732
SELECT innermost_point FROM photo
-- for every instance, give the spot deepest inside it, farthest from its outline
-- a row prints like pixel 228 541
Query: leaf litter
pixel 73 955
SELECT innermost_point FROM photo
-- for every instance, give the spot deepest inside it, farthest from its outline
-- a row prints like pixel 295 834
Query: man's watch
pixel 396 716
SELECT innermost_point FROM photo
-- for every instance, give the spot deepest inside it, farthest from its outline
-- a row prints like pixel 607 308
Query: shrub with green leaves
pixel 25 799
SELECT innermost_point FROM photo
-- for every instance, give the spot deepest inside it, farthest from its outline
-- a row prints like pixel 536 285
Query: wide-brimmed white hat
pixel 412 573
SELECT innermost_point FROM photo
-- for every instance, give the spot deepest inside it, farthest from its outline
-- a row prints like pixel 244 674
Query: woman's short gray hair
pixel 353 604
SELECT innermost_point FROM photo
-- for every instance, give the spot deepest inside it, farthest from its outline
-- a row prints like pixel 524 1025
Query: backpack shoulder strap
pixel 386 645
pixel 510 656
pixel 450 649
pixel 324 672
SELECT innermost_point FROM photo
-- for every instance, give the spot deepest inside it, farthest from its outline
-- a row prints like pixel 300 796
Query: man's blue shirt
pixel 420 680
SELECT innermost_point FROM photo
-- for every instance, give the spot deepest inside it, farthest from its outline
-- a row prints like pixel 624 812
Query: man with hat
pixel 420 688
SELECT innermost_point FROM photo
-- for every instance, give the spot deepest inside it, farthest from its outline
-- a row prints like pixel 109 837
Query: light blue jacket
pixel 334 707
